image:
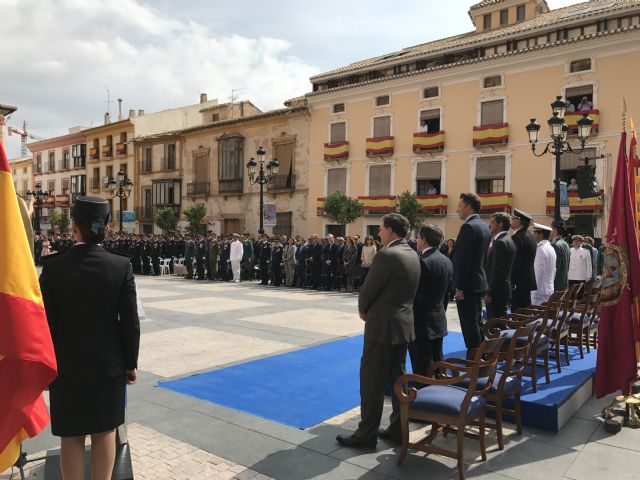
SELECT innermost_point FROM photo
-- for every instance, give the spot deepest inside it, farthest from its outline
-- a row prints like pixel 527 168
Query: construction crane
pixel 23 137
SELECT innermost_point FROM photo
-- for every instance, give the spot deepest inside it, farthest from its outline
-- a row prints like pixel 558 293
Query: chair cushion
pixel 575 319
pixel 509 335
pixel 511 384
pixel 446 400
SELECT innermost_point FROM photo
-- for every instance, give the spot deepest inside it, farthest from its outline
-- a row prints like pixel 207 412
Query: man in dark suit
pixel 90 298
pixel 468 268
pixel 430 304
pixel 502 252
pixel 563 255
pixel 386 306
pixel 315 258
pixel 523 275
pixel 330 256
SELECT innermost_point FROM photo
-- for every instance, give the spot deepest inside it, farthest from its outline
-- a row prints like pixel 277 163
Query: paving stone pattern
pixel 194 326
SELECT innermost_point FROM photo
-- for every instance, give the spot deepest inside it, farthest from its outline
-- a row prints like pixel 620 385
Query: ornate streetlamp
pixel 39 198
pixel 120 187
pixel 261 177
pixel 559 144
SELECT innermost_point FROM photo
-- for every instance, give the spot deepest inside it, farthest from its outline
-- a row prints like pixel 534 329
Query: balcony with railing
pixel 571 119
pixel 107 151
pixel 594 205
pixel 62 201
pixel 145 212
pixel 428 142
pixel 495 202
pixel 230 186
pixel 486 135
pixel 168 163
pixel 121 148
pixel 433 204
pixel 146 166
pixel 380 146
pixel 282 183
pixel 378 204
pixel 94 154
pixel 94 183
pixel 196 189
pixel 336 151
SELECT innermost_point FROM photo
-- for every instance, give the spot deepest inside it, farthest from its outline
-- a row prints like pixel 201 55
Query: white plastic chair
pixel 164 266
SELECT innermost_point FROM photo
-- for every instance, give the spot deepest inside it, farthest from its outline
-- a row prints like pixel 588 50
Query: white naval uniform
pixel 545 268
pixel 235 255
pixel 580 267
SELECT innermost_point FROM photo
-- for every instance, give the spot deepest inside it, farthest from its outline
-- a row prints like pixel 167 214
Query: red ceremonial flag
pixel 616 366
pixel 27 358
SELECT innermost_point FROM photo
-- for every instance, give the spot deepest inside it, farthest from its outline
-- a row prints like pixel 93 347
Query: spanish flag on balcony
pixel 379 146
pixel 424 142
pixel 378 203
pixel 571 119
pixel 491 134
pixel 27 358
pixel 336 151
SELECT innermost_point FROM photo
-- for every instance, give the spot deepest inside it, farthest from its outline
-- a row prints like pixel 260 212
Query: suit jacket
pixel 90 298
pixel 386 298
pixel 563 254
pixel 498 268
pixel 523 274
pixel 471 251
pixel 432 296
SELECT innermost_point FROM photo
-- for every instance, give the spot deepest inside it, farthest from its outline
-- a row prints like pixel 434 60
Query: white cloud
pixel 57 57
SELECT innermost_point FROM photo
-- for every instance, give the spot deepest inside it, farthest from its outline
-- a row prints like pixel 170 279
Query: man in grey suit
pixel 386 306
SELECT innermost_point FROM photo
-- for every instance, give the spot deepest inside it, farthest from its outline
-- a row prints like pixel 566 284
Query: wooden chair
pixel 443 403
pixel 507 383
pixel 584 317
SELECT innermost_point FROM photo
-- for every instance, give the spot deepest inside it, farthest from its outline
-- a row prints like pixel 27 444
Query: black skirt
pixel 84 409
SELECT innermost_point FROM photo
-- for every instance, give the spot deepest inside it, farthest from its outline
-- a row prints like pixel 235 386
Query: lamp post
pixel 39 198
pixel 120 187
pixel 261 177
pixel 559 144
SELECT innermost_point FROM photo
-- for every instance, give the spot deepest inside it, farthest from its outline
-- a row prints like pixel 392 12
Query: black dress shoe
pixel 356 442
pixel 391 435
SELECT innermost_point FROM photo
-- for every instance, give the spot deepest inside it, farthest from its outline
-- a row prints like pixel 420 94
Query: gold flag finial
pixel 632 126
pixel 624 114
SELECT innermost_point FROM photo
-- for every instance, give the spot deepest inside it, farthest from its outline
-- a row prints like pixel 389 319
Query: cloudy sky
pixel 59 57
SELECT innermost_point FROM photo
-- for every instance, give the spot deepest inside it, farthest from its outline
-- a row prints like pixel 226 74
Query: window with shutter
pixel 431 92
pixel 338 108
pixel 490 174
pixel 580 65
pixel 492 81
pixel 382 100
pixel 200 168
pixel 338 132
pixel 379 180
pixel 230 158
pixel 428 170
pixel 571 161
pixel 432 119
pixel 492 112
pixel 284 155
pixel 381 127
pixel 336 180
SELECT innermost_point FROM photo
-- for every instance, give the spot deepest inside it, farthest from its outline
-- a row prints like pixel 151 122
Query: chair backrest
pixel 517 353
pixel 569 303
pixel 485 365
pixel 553 311
pixel 593 302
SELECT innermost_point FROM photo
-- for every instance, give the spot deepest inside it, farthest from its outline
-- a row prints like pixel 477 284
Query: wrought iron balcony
pixel 282 183
pixel 198 189
pixel 230 186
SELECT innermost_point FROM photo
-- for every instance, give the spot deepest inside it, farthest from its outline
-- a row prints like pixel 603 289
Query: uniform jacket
pixel 523 275
pixel 430 304
pixel 563 254
pixel 247 251
pixel 471 251
pixel 90 299
pixel 498 268
pixel 237 251
pixel 386 298
pixel 580 265
pixel 189 249
pixel 545 268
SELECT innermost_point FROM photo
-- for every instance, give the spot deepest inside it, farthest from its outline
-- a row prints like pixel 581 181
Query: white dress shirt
pixel 236 251
pixel 545 268
pixel 580 264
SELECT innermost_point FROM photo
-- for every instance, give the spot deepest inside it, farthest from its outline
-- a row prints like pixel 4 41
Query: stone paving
pixel 194 326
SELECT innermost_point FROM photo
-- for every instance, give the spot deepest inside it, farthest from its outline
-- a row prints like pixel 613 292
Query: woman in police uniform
pixel 90 299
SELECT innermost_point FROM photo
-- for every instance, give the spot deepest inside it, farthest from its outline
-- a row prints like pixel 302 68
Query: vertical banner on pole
pixel 565 211
pixel 269 214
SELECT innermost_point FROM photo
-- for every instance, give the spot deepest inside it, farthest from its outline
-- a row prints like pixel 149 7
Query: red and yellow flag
pixel 27 358
pixel 616 365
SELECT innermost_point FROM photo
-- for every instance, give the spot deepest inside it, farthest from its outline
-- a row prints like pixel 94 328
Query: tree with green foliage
pixel 410 208
pixel 166 219
pixel 59 220
pixel 342 209
pixel 194 215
